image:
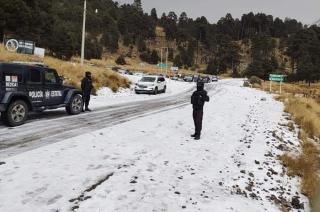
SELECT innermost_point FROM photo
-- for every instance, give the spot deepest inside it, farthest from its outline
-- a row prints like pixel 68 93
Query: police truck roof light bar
pixel 41 64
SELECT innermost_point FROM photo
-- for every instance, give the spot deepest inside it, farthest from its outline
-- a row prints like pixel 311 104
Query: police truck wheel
pixel 76 105
pixel 16 113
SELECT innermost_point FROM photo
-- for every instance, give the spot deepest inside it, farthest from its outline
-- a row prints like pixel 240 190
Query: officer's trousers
pixel 197 118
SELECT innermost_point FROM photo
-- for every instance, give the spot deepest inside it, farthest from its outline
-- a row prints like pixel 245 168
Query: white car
pixel 151 84
pixel 214 79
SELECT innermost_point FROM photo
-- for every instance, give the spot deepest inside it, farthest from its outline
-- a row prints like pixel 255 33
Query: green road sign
pixel 163 65
pixel 277 77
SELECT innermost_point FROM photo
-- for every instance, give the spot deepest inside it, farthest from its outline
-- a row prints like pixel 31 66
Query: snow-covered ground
pixel 106 96
pixel 152 164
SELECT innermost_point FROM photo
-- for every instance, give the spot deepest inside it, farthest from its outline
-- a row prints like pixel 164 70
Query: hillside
pixel 255 44
pixel 72 71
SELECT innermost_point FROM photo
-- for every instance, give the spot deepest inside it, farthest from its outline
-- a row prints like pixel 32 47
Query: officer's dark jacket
pixel 86 85
pixel 198 99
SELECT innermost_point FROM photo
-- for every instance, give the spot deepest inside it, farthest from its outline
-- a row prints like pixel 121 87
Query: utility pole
pixel 83 32
pixel 198 46
pixel 161 56
pixel 161 59
pixel 167 61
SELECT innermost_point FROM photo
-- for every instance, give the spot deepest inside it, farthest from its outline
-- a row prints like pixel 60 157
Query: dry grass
pixel 72 71
pixel 136 65
pixel 305 111
pixel 297 89
pixel 302 102
pixel 306 166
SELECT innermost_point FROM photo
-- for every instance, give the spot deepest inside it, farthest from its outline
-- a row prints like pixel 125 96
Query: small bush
pixel 121 60
pixel 246 84
pixel 255 80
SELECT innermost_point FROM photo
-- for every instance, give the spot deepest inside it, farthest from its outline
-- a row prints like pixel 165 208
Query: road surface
pixel 54 126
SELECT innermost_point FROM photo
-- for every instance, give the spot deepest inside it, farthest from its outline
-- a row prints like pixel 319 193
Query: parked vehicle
pixel 32 87
pixel 214 79
pixel 151 84
pixel 124 72
pixel 175 78
pixel 188 78
pixel 205 79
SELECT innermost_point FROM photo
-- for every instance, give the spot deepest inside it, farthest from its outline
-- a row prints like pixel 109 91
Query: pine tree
pixel 154 14
pixel 154 57
pixel 137 4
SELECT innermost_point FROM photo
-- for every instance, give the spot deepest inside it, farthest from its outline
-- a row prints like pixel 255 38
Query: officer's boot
pixel 197 137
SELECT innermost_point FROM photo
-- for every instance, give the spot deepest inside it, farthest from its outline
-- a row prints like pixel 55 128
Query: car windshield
pixel 148 79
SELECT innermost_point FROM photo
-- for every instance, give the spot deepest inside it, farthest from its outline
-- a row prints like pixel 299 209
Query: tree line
pixel 57 26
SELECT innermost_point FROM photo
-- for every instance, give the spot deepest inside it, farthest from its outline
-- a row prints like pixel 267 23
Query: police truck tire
pixel 76 105
pixel 16 114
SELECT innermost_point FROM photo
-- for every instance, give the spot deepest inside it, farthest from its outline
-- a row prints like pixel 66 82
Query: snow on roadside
pixel 151 163
pixel 105 96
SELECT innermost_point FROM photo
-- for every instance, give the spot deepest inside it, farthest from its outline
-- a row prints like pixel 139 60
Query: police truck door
pixel 35 86
pixel 53 92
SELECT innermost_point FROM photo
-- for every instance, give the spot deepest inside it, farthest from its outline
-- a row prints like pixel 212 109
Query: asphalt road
pixel 54 126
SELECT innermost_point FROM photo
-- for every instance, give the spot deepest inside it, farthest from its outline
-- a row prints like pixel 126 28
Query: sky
pixel 305 11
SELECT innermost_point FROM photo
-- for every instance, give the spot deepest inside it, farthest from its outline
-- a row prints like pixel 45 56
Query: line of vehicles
pixel 178 77
pixel 197 78
pixel 155 84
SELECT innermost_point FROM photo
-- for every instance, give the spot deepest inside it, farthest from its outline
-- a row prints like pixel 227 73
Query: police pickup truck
pixel 33 87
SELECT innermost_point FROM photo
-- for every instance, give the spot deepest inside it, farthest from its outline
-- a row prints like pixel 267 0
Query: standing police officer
pixel 198 98
pixel 86 86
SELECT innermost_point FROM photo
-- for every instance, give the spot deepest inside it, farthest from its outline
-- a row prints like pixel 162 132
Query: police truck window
pixel 35 76
pixel 50 77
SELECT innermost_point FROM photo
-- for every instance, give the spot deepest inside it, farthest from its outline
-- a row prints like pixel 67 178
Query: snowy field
pixel 152 164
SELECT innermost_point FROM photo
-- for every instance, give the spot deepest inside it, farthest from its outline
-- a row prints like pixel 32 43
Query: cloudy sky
pixel 306 11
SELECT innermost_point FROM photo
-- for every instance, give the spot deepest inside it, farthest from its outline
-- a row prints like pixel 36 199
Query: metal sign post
pixel 276 78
